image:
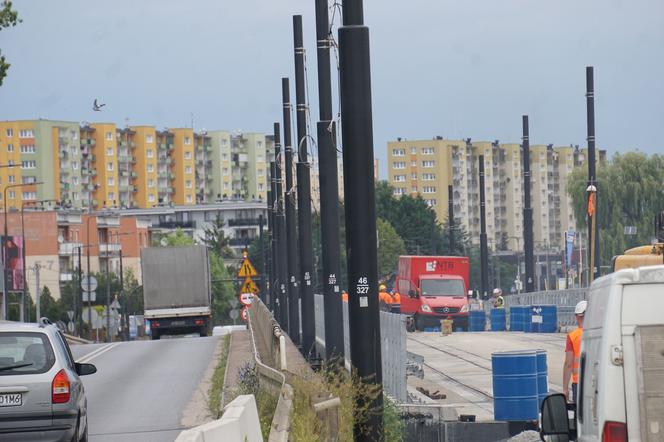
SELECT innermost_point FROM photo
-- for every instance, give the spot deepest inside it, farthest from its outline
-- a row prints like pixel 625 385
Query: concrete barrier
pixel 239 422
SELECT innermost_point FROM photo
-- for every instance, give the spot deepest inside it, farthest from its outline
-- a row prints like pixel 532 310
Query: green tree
pixel 630 193
pixel 461 240
pixel 223 289
pixel 8 18
pixel 179 239
pixel 50 308
pixel 215 239
pixel 390 246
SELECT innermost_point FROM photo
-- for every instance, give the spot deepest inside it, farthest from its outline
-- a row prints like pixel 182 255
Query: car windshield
pixel 442 287
pixel 25 353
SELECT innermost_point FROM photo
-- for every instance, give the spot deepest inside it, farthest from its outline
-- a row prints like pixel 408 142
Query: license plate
pixel 178 322
pixel 11 400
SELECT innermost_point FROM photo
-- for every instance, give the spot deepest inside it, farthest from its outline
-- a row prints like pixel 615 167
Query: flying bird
pixel 97 107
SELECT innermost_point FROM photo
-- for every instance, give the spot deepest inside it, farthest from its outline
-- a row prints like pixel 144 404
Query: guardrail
pixel 393 342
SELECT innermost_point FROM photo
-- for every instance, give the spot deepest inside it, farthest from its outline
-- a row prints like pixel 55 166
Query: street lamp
pixel 4 248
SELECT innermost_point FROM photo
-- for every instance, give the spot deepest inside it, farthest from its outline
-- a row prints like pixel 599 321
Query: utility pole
pixel 484 252
pixel 293 320
pixel 303 197
pixel 450 217
pixel 79 301
pixel 360 207
pixel 263 252
pixel 593 232
pixel 329 193
pixel 108 299
pixel 272 239
pixel 38 294
pixel 280 222
pixel 527 210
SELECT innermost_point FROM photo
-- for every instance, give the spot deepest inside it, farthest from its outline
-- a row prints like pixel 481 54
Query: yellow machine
pixel 643 255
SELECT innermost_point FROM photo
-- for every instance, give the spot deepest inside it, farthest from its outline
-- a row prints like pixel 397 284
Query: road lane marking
pixel 97 352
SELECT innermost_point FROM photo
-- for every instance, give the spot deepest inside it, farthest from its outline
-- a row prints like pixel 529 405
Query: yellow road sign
pixel 249 286
pixel 246 269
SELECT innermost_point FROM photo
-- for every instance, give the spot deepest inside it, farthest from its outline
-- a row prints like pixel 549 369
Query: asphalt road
pixel 141 387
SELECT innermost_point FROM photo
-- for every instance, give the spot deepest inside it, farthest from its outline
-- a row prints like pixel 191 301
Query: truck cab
pixel 433 288
pixel 621 393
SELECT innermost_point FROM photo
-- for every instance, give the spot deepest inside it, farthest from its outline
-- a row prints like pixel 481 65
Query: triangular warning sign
pixel 246 269
pixel 249 286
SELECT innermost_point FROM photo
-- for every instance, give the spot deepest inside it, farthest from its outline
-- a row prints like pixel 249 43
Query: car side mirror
pixel 555 421
pixel 85 369
pixel 412 293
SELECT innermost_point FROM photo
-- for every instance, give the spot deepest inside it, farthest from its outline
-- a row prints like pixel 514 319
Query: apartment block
pixel 144 172
pixel 182 166
pixel 428 167
pixel 203 154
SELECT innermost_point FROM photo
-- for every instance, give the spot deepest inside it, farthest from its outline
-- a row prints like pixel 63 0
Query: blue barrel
pixel 542 376
pixel 516 318
pixel 515 391
pixel 476 320
pixel 544 318
pixel 497 319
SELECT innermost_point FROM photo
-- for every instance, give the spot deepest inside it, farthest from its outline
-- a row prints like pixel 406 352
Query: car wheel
pixel 76 437
pixel 85 434
pixel 418 323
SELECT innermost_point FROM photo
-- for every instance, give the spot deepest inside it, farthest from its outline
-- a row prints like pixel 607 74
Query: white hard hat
pixel 497 291
pixel 580 308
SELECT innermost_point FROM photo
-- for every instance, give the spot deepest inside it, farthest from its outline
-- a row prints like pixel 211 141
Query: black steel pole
pixel 360 207
pixel 272 240
pixel 329 193
pixel 593 228
pixel 281 256
pixel 263 255
pixel 484 252
pixel 291 235
pixel 123 316
pixel 79 301
pixel 450 217
pixel 303 197
pixel 527 211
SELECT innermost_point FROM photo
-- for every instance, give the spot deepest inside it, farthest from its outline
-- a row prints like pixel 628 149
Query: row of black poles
pixel 484 252
pixel 527 210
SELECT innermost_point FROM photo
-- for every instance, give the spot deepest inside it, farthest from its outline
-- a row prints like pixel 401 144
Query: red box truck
pixel 434 288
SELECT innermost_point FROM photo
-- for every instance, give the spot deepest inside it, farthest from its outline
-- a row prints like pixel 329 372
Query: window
pixel 261 186
pixel 399 165
pixel 11 179
pixel 187 155
pixel 10 148
pixel 150 183
pixel 26 134
pixel 413 189
pixel 150 153
pixel 224 156
pixel 187 141
pixel 189 199
pixel 110 182
pixel 187 169
pixel 74 196
pixel 151 197
pixel 259 144
pixel 10 132
pixel 413 176
pixel 188 184
pixel 413 164
pixel 149 139
pixel 429 189
pixel 109 136
pixel 28 179
pixel 74 165
pixel 428 163
pixel 428 176
pixel 398 152
pixel 109 166
pixel 225 171
pixel 29 195
pixel 12 194
pixel 28 148
pixel 30 164
pixel 10 162
pixel 399 178
pixel 260 172
pixel 427 151
pixel 225 186
pixel 111 196
pixel 150 167
pixel 413 150
pixel 431 203
pixel 75 180
pixel 399 191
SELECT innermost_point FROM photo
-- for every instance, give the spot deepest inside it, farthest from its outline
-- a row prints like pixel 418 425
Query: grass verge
pixel 214 401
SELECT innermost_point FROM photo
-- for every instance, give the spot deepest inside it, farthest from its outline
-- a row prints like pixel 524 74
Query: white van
pixel 621 384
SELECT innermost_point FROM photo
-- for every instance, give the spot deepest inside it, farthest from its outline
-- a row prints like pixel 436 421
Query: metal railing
pixel 393 346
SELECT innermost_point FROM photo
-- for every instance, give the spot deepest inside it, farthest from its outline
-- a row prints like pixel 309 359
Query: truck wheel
pixel 418 323
pixel 203 332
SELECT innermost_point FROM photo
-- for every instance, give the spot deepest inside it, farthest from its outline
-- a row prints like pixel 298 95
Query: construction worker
pixel 498 301
pixel 384 298
pixel 573 352
pixel 395 307
pixel 344 296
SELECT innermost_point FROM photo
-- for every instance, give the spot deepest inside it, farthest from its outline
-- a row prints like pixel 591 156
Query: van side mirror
pixel 555 421
pixel 412 293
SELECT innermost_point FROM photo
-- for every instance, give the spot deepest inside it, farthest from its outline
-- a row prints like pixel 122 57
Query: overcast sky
pixel 455 68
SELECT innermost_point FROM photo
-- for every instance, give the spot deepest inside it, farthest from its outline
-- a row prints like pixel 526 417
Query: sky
pixel 450 68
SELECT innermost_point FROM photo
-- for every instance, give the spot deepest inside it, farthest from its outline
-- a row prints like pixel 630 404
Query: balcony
pixel 108 249
pixel 69 248
pixel 176 225
pixel 242 222
pixel 239 242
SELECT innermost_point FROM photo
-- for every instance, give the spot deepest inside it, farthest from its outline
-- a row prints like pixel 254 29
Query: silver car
pixel 41 394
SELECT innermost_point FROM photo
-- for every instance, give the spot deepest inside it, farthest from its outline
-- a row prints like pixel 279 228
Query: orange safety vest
pixel 385 297
pixel 344 296
pixel 575 337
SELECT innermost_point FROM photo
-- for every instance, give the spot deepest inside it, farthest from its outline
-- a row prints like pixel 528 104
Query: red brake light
pixel 199 322
pixel 60 388
pixel 614 432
